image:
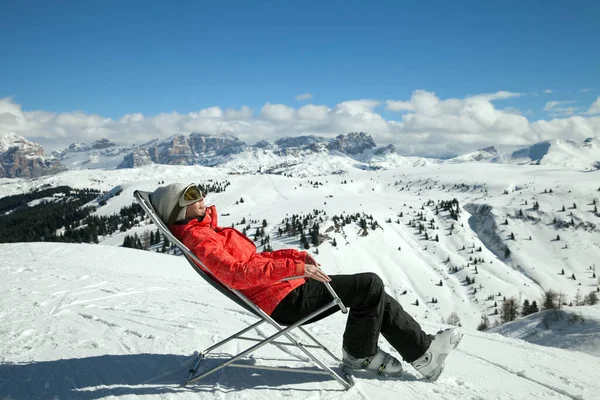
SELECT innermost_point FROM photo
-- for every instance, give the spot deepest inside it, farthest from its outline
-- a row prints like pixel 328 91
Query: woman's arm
pixel 236 274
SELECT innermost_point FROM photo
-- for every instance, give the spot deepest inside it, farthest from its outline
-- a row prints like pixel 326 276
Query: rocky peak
pixel 20 158
pixel 490 150
pixel 197 148
pixel 299 142
pixel 382 151
pixel 352 143
pixel 102 144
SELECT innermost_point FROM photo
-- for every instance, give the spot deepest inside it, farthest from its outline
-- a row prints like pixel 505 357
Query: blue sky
pixel 113 58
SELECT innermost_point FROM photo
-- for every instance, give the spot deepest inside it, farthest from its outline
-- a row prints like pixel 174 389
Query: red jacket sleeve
pixel 236 274
pixel 286 253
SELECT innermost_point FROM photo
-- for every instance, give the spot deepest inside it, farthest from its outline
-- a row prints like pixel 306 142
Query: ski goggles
pixel 190 195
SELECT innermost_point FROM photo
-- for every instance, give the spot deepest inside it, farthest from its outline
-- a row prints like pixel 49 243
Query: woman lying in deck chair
pixel 232 258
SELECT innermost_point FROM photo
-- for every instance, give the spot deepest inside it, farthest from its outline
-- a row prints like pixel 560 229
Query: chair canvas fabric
pixel 143 198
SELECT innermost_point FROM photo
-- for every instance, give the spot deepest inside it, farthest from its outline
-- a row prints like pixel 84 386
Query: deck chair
pixel 143 198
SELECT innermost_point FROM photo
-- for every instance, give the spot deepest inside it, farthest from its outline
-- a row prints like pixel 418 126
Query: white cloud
pixel 586 90
pixel 548 91
pixel 595 107
pixel 304 96
pixel 277 112
pixel 425 124
pixel 398 105
pixel 312 112
pixel 558 107
pixel 243 113
pixel 211 112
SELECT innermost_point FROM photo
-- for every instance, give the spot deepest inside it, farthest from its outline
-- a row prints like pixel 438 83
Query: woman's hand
pixel 314 272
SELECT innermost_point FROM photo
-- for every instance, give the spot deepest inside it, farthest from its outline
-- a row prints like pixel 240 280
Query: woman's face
pixel 198 209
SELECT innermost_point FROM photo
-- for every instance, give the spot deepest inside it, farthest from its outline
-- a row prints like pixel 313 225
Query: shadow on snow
pixel 140 374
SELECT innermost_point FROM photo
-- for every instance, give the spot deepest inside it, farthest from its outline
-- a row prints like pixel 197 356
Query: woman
pixel 232 258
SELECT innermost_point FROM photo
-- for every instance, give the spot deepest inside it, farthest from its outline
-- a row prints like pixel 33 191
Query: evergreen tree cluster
pixel 306 227
pixel 213 186
pixel 58 207
pixel 61 216
pixel 452 207
pixel 364 222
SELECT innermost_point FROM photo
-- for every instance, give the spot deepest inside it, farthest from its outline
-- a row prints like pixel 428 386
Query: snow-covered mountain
pixel 20 158
pixel 570 154
pixel 489 154
pixel 290 155
pixel 300 156
pixel 101 154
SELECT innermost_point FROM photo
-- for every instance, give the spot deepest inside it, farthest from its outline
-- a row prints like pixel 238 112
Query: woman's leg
pixel 403 332
pixel 371 311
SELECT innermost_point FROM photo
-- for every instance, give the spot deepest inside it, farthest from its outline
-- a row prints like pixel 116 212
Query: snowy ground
pixel 86 321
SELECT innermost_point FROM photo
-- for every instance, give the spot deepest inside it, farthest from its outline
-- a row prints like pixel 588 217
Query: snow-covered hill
pixel 571 328
pixel 563 154
pixel 101 154
pixel 473 246
pixel 91 321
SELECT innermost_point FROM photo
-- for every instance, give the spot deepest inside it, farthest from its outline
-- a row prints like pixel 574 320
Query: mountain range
pixel 295 156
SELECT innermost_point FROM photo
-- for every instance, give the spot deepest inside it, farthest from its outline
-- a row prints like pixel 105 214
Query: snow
pixel 11 139
pixel 570 328
pixel 93 321
pixel 75 325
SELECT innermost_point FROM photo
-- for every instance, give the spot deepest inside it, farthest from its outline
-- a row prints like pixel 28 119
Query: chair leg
pixel 281 332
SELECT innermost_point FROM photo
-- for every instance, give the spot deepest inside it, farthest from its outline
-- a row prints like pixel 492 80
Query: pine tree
pixel 534 307
pixel 510 310
pixel 549 300
pixel 526 309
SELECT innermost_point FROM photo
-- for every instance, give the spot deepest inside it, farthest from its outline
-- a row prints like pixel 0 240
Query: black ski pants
pixel 372 311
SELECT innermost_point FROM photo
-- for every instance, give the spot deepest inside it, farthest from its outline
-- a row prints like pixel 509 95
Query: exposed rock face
pixel 382 151
pixel 352 143
pixel 20 158
pixel 184 150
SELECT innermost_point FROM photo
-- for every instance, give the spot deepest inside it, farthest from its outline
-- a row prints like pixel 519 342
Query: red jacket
pixel 232 258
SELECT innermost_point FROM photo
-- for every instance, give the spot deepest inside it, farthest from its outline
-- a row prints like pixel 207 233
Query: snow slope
pixel 406 259
pixel 570 328
pixel 91 321
pixel 558 153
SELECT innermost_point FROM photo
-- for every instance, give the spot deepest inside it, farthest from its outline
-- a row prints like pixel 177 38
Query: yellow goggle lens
pixel 192 193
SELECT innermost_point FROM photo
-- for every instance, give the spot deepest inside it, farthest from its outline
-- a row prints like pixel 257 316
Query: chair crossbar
pixel 143 198
pixel 306 371
pixel 280 343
